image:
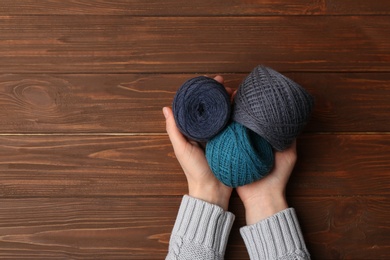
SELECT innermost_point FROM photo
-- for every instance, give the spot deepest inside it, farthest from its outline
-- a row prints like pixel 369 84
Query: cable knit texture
pixel 201 231
pixel 277 237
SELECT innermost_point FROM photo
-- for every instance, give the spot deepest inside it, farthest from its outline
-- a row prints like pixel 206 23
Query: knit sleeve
pixel 277 237
pixel 201 231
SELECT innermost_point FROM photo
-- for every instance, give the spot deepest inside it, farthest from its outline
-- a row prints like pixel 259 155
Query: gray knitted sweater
pixel 202 229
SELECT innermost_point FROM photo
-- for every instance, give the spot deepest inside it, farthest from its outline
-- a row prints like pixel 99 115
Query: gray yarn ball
pixel 273 106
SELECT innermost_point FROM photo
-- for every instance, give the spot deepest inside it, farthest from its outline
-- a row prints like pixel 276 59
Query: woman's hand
pixel 202 184
pixel 266 197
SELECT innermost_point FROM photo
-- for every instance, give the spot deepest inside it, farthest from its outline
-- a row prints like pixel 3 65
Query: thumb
pixel 177 139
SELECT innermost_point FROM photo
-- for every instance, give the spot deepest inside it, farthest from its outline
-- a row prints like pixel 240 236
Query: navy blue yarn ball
pixel 238 156
pixel 201 108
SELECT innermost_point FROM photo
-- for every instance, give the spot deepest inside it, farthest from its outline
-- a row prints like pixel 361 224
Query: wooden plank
pixel 88 166
pixel 115 228
pixel 62 166
pixel 132 103
pixel 345 228
pixel 341 165
pixel 343 7
pixel 350 102
pixel 85 103
pixel 195 8
pixel 124 44
pixel 169 8
pixel 139 228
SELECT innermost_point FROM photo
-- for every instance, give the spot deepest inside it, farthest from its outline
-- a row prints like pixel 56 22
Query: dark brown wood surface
pixel 107 103
pixel 139 228
pixel 195 8
pixel 47 166
pixel 127 44
pixel 86 169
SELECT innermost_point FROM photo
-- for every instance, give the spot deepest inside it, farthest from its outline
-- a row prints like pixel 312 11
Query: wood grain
pixel 86 169
pixel 112 103
pixel 116 228
pixel 345 7
pixel 169 8
pixel 342 228
pixel 125 44
pixel 62 166
pixel 139 228
pixel 195 8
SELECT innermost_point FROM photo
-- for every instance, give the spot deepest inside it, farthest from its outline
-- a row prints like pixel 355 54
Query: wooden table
pixel 86 168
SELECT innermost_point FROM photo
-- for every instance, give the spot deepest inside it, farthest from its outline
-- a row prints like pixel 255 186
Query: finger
pixel 286 159
pixel 234 94
pixel 201 145
pixel 219 78
pixel 230 91
pixel 177 139
pixel 292 148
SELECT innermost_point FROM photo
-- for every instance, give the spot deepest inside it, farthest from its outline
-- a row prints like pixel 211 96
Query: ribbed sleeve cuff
pixel 202 223
pixel 277 237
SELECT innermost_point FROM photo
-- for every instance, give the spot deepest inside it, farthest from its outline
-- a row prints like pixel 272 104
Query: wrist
pixel 258 208
pixel 214 195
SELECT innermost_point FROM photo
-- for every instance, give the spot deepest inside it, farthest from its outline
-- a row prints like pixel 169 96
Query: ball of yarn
pixel 273 106
pixel 201 108
pixel 238 156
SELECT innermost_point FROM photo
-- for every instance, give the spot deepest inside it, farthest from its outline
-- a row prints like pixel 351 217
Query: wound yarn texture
pixel 238 156
pixel 201 108
pixel 269 112
pixel 273 106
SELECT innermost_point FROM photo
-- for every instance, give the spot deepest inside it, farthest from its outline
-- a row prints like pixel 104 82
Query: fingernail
pixel 165 112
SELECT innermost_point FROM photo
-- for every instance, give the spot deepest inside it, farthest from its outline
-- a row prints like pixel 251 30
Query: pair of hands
pixel 261 199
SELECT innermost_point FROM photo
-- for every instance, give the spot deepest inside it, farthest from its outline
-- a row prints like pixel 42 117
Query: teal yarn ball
pixel 238 156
